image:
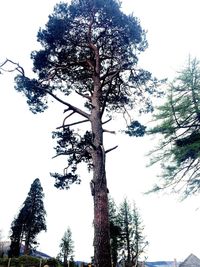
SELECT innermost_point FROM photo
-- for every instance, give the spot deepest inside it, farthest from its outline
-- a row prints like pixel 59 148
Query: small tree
pixel 126 225
pixel 177 123
pixel 29 222
pixel 132 239
pixel 139 242
pixel 66 247
pixel 115 231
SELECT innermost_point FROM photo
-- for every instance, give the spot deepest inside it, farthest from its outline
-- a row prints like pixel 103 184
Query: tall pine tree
pixel 29 222
pixel 89 49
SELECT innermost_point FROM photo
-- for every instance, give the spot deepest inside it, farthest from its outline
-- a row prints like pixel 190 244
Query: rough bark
pixel 101 220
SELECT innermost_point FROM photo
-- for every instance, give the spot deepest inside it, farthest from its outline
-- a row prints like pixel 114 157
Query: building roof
pixel 191 261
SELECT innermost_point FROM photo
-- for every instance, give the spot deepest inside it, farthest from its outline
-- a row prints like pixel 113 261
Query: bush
pixel 26 260
pixel 29 260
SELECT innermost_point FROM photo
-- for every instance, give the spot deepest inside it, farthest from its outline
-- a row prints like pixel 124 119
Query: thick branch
pixel 93 47
pixel 71 107
pixel 105 99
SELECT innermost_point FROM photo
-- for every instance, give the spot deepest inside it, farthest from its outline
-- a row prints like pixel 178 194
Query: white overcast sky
pixel 26 148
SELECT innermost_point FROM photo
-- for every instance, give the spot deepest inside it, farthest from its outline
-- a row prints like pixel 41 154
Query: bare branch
pixel 107 131
pixel 106 121
pixel 71 124
pixel 70 107
pixel 109 150
pixel 17 68
pixel 68 117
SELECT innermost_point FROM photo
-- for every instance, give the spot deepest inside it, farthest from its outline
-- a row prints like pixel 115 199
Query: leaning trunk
pixel 102 254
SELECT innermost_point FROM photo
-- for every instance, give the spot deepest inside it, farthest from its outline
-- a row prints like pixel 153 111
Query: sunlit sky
pixel 171 227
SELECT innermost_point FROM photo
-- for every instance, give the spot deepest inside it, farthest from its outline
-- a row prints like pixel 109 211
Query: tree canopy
pixel 81 41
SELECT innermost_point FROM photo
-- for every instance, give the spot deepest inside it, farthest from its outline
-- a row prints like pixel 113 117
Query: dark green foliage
pixel 136 129
pixel 29 222
pixel 26 260
pixel 76 149
pixel 178 123
pixel 68 62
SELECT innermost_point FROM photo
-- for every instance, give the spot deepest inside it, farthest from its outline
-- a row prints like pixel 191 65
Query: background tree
pixel 126 225
pixel 115 231
pixel 133 241
pixel 139 242
pixel 2 244
pixel 89 48
pixel 16 236
pixel 177 123
pixel 66 247
pixel 29 222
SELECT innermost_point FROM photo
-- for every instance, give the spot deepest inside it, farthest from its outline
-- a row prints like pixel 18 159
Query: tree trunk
pixel 27 244
pixel 101 222
pixel 102 253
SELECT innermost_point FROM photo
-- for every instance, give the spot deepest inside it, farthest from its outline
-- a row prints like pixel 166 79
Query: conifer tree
pixel 89 49
pixel 66 247
pixel 115 231
pixel 177 127
pixel 133 241
pixel 29 222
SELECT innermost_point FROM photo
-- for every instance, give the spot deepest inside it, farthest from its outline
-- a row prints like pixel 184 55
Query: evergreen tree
pixel 115 231
pixel 66 247
pixel 126 225
pixel 178 126
pixel 89 48
pixel 29 222
pixel 132 239
pixel 139 242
